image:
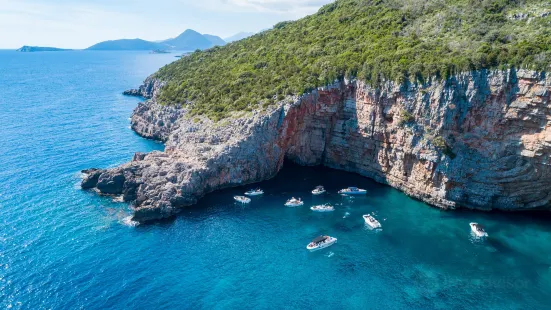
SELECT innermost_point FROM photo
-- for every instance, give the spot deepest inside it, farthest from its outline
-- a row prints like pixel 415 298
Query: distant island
pixel 28 49
pixel 189 40
pixel 126 45
pixel 239 36
pixel 160 52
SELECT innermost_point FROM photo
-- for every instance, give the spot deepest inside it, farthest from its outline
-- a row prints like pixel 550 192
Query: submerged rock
pixel 480 140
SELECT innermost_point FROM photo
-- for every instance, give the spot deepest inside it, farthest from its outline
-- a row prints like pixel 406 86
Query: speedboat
pixel 242 199
pixel 318 190
pixel 371 221
pixel 323 208
pixel 352 191
pixel 255 192
pixel 478 230
pixel 321 242
pixel 293 202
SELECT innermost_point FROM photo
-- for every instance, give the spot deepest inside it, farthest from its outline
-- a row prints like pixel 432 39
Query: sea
pixel 65 248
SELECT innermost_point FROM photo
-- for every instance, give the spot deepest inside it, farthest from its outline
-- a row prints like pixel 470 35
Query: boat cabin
pixel 320 239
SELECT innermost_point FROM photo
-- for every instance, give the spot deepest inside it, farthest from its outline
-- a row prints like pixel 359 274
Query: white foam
pixel 127 221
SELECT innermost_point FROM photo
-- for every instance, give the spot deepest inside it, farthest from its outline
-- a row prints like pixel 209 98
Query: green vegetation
pixel 406 118
pixel 440 144
pixel 374 40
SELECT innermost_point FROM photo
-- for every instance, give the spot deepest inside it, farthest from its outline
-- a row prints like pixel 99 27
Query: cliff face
pixel 480 140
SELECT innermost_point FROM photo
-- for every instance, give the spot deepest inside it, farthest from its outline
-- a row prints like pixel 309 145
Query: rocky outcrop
pixel 480 140
pixel 147 90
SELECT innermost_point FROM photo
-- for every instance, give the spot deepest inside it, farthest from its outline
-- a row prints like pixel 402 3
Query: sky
pixel 82 23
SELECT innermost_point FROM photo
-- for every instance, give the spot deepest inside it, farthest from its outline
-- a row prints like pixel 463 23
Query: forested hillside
pixel 373 40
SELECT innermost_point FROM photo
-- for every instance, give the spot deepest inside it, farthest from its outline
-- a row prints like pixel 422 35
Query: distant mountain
pixel 215 40
pixel 239 36
pixel 41 49
pixel 190 40
pixel 127 45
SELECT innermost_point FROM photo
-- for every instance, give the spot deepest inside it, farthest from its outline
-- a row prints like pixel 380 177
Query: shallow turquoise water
pixel 61 247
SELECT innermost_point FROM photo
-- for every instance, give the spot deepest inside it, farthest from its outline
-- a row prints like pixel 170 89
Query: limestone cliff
pixel 480 140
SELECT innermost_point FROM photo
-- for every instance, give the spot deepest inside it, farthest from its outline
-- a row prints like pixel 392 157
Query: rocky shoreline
pixel 480 140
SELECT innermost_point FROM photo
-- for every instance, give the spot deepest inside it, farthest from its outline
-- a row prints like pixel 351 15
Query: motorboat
pixel 293 202
pixel 254 192
pixel 478 230
pixel 242 199
pixel 323 208
pixel 352 191
pixel 371 221
pixel 318 190
pixel 321 242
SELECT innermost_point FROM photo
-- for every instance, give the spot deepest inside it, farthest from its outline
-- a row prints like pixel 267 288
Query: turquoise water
pixel 61 247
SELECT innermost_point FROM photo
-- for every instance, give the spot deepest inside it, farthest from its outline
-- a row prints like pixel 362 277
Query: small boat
pixel 323 208
pixel 293 202
pixel 371 221
pixel 242 199
pixel 352 191
pixel 478 230
pixel 255 192
pixel 321 242
pixel 318 190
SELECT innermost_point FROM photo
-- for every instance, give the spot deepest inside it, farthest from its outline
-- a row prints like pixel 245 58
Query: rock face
pixel 480 140
pixel 148 90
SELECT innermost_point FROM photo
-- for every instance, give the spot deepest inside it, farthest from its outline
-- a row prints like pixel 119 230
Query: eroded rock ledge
pixel 480 140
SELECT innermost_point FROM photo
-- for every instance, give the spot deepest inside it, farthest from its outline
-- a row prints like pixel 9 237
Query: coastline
pixel 353 127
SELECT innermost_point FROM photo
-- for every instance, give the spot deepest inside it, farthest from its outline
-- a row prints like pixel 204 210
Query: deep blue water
pixel 61 247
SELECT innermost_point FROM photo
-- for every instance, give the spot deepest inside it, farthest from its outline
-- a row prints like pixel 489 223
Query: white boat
pixel 293 202
pixel 352 191
pixel 242 199
pixel 371 221
pixel 255 192
pixel 323 208
pixel 318 190
pixel 321 242
pixel 478 230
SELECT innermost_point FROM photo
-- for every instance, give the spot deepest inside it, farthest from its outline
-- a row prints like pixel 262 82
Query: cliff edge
pixel 479 140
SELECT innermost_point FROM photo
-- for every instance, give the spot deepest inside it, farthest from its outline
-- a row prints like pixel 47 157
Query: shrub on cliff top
pixel 374 40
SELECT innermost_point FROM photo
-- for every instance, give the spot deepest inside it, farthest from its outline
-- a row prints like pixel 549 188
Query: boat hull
pixel 373 225
pixel 322 246
pixel 476 232
pixel 294 204
pixel 247 200
pixel 358 193
pixel 322 210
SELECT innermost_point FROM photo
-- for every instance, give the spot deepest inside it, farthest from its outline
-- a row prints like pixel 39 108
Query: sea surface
pixel 64 248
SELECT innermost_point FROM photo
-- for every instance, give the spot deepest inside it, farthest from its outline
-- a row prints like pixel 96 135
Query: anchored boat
pixel 352 191
pixel 371 221
pixel 321 242
pixel 323 208
pixel 242 199
pixel 318 190
pixel 478 230
pixel 255 192
pixel 293 202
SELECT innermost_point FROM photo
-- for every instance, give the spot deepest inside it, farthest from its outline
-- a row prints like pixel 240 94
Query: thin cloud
pixel 292 8
pixel 280 6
